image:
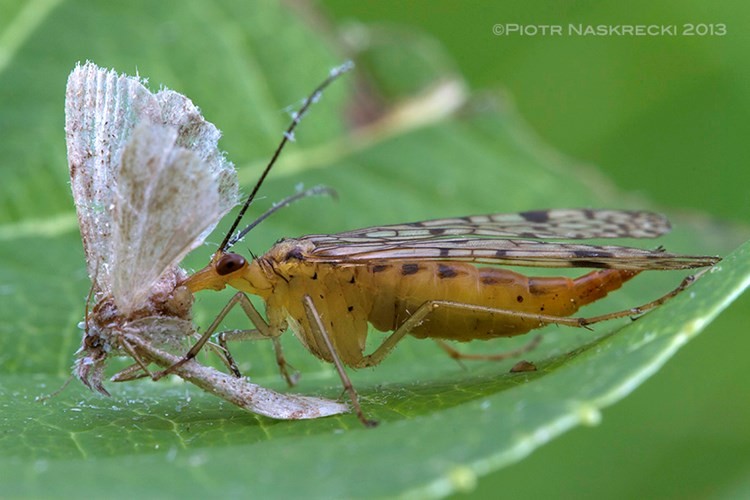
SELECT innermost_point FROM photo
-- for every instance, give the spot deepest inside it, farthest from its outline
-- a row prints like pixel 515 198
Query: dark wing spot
pixel 446 271
pixel 592 264
pixel 535 215
pixel 501 253
pixel 408 269
pixel 489 280
pixel 590 253
pixel 436 231
pixel 379 268
pixel 444 252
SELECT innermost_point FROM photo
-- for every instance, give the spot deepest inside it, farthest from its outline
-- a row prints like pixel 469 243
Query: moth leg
pixel 249 310
pixel 320 331
pixel 514 353
pixel 132 372
pixel 135 371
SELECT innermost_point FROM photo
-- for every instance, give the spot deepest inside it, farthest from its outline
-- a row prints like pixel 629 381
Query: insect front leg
pixel 313 317
pixel 249 310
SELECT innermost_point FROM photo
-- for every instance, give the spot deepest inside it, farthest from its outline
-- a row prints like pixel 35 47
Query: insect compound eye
pixel 229 263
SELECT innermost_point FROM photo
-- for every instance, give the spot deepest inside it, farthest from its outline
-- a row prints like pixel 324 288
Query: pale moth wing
pixel 125 146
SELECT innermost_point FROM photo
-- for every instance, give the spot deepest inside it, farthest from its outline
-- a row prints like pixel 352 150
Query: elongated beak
pixel 206 279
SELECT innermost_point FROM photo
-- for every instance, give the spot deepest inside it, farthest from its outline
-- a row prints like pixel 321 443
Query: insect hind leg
pixel 514 353
pixel 422 313
pixel 427 308
pixel 636 312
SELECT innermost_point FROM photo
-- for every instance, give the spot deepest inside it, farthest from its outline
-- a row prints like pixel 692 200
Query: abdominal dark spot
pixel 351 281
pixel 536 288
pixel 519 299
pixel 446 271
pixel 315 276
pixel 379 268
pixel 350 308
pixel 408 269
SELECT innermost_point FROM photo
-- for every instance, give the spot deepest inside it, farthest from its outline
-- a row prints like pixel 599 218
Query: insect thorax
pixel 164 319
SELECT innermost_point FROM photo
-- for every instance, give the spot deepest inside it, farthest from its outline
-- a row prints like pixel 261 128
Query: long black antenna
pixel 313 191
pixel 288 134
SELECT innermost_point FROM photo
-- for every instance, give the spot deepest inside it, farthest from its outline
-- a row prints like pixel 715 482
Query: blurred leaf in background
pixel 424 148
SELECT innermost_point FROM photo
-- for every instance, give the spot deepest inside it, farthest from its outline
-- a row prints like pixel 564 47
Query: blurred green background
pixel 663 116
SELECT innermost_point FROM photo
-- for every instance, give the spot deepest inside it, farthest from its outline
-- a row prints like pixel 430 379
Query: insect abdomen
pixel 402 288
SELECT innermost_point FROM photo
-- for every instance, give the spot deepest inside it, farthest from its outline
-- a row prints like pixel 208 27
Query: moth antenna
pixel 289 133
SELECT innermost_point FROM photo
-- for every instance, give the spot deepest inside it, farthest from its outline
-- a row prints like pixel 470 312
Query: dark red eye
pixel 229 263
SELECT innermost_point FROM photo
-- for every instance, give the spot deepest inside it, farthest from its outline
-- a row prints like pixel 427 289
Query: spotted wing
pixel 486 240
pixel 567 224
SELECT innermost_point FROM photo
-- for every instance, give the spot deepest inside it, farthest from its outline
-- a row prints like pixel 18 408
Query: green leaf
pixel 441 425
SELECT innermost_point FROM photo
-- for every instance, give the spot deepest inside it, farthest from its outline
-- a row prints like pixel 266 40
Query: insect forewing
pixel 486 240
pixel 568 224
pixel 147 177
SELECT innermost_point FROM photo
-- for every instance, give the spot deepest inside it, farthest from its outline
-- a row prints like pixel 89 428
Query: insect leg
pixel 423 311
pixel 458 355
pixel 317 324
pixel 135 371
pixel 580 322
pixel 239 335
pixel 252 314
pixel 638 311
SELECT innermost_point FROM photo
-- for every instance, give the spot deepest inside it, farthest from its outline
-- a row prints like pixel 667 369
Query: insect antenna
pixel 288 135
pixel 314 191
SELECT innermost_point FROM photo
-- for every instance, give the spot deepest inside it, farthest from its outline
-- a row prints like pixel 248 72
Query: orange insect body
pixel 348 297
